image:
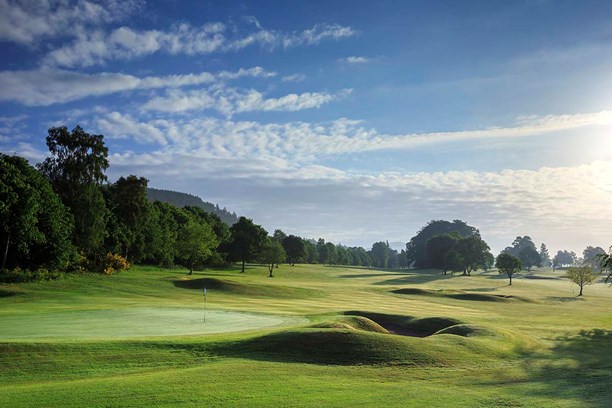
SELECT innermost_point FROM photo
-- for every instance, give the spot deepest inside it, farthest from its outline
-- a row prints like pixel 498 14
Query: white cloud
pixel 96 47
pixel 230 100
pixel 355 60
pixel 566 207
pixel 293 78
pixel 27 22
pixel 306 142
pixel 49 86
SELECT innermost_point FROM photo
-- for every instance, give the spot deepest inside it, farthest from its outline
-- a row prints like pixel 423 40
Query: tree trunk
pixel 465 272
pixel 580 294
pixel 243 261
pixel 190 268
pixel 270 268
pixel 510 276
pixel 8 239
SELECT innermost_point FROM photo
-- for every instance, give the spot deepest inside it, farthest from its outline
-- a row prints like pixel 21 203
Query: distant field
pixel 312 335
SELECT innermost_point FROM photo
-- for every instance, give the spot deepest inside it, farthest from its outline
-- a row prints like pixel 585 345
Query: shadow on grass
pixel 460 295
pixel 564 299
pixel 580 367
pixel 8 293
pixel 366 275
pixel 423 276
pixel 576 371
pixel 229 287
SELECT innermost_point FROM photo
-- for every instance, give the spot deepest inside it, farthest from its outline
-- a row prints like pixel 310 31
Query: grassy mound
pixel 335 347
pixel 407 325
pixel 466 330
pixel 460 295
pixel 243 289
pixel 332 325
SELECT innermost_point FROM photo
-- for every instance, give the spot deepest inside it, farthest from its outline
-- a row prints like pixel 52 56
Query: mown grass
pixel 474 341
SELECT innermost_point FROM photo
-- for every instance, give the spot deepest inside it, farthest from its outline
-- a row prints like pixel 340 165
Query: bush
pixel 18 275
pixel 114 263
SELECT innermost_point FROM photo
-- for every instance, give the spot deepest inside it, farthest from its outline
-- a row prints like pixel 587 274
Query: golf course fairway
pixel 311 335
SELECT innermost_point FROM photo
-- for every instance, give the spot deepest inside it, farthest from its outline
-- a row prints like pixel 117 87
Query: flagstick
pixel 204 305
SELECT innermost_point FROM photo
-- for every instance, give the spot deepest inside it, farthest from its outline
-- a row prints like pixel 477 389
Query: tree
pixel 590 257
pixel 524 249
pixel 195 243
pixel 35 226
pixel 564 258
pixel 437 249
pixel 529 258
pixel 311 252
pixel 279 235
pixel 272 253
pixel 508 265
pixel 294 247
pixel 473 253
pixel 605 263
pixel 545 256
pixel 323 251
pixel 581 276
pixel 76 171
pixel 416 249
pixel 332 253
pixel 380 254
pixel 132 210
pixel 246 241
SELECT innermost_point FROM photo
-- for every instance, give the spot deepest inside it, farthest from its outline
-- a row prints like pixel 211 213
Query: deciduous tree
pixel 508 265
pixel 76 171
pixel 247 238
pixel 581 276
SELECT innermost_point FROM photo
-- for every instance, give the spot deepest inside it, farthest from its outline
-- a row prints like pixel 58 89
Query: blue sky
pixel 352 121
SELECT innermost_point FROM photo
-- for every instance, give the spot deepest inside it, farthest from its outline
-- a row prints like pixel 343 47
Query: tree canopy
pixel 581 276
pixel 76 171
pixel 524 249
pixel 508 265
pixel 35 225
pixel 416 252
pixel 247 238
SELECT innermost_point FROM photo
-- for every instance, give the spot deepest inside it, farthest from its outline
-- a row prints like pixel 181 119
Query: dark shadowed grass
pixel 245 289
pixel 460 295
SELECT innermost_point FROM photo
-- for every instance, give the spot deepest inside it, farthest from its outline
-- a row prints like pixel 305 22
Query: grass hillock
pixel 466 330
pixel 407 325
pixel 245 289
pixel 336 346
pixel 461 295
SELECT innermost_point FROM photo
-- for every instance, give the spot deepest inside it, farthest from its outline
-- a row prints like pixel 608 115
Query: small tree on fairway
pixel 508 264
pixel 272 253
pixel 581 276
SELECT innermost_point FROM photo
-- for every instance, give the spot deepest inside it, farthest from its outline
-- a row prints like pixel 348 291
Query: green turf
pixel 312 335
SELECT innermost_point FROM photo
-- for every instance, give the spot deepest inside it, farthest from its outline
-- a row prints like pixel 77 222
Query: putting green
pixel 133 322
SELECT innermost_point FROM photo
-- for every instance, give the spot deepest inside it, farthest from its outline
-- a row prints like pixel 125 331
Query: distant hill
pixel 182 199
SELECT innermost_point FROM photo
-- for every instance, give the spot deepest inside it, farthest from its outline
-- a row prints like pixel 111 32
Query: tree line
pixel 64 215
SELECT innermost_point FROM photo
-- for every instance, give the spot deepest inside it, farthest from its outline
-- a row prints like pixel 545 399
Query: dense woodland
pixel 63 215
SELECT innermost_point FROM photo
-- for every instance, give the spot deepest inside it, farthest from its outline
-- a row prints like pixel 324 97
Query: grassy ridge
pixel 333 345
